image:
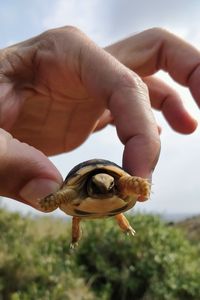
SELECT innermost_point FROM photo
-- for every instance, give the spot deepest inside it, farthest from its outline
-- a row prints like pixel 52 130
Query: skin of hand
pixel 157 49
pixel 57 88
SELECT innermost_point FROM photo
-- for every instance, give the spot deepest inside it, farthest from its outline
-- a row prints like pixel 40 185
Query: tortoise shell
pixel 96 204
pixel 92 164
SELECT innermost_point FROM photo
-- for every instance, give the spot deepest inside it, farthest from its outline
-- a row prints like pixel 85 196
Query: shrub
pixel 158 263
pixel 36 263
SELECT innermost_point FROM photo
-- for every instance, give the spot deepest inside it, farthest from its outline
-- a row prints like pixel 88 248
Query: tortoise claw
pixel 124 224
pixel 130 231
pixel 73 246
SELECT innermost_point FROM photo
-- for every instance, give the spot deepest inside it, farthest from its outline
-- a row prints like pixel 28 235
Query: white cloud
pixel 106 21
pixel 85 15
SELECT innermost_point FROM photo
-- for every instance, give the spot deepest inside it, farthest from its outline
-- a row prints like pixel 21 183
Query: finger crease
pixel 163 103
pixel 189 76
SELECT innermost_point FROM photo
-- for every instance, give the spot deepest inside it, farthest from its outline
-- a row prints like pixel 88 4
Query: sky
pixel 176 180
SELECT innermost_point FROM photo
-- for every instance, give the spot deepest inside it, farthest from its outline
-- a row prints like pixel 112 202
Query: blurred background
pixel 176 187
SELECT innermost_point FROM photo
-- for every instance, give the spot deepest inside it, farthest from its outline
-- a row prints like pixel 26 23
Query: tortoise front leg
pixel 133 185
pixel 124 224
pixel 76 232
pixel 53 201
pixel 49 203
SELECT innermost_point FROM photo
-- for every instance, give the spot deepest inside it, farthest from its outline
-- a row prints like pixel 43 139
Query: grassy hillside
pixel 192 228
pixel 160 262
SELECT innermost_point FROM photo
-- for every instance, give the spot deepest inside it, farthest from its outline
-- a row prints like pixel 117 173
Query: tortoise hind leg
pixel 124 224
pixel 76 232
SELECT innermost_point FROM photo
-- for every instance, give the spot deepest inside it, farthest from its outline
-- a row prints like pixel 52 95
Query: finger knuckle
pixel 57 33
pixel 59 39
pixel 159 32
pixel 140 84
pixel 152 141
pixel 132 80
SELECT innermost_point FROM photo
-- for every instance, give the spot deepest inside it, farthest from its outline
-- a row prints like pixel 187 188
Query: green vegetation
pixel 160 262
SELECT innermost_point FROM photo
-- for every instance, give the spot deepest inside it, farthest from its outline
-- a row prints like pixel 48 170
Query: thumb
pixel 26 174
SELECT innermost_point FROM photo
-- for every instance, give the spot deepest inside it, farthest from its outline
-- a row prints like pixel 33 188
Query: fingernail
pixel 37 189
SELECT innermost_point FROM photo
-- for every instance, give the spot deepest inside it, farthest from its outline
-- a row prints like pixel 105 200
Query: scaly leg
pixel 52 201
pixel 124 224
pixel 48 203
pixel 130 185
pixel 76 232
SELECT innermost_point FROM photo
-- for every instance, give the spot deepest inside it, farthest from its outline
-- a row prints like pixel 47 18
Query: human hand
pixel 56 89
pixel 157 49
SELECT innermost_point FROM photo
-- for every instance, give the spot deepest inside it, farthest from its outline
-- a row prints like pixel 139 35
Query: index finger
pixel 157 49
pixel 136 128
pixel 122 91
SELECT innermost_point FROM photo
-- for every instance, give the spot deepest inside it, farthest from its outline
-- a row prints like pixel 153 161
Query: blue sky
pixel 176 185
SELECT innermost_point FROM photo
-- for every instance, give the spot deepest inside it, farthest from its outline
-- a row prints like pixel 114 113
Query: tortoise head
pixel 101 185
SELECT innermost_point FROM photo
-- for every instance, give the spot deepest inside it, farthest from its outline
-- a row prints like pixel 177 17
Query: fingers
pixel 137 129
pixel 107 119
pixel 126 96
pixel 25 173
pixel 157 49
pixel 167 100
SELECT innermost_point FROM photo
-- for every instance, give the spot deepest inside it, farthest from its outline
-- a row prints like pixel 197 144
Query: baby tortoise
pixel 95 189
